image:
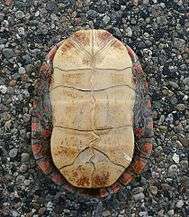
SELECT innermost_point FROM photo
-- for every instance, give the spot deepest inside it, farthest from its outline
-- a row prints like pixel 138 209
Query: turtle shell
pixel 91 122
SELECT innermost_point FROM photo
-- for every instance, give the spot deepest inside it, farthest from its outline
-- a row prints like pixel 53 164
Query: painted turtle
pixel 91 120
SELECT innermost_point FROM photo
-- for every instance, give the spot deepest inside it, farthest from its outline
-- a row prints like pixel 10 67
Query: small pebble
pixel 27 182
pixel 186 81
pixel 41 211
pixel 146 2
pixel 153 189
pixel 15 213
pixel 181 107
pixel 13 152
pixel 106 19
pixel 12 83
pixel 180 204
pixel 106 213
pixel 138 190
pixel 23 168
pixel 128 32
pixel 143 214
pixel 8 53
pixel 3 89
pixel 19 14
pixel 185 182
pixel 171 212
pixel 173 84
pixel 21 31
pixel 21 70
pixel 176 158
pixel 184 164
pixel 25 157
pixel 172 171
pixel 139 196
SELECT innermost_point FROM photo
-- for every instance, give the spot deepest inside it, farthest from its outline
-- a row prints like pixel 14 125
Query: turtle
pixel 92 124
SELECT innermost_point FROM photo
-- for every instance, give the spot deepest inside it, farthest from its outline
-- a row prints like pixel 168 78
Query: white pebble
pixel 3 89
pixel 21 70
pixel 179 204
pixel 176 158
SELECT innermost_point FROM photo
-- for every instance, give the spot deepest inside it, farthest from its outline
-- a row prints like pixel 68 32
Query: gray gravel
pixel 158 32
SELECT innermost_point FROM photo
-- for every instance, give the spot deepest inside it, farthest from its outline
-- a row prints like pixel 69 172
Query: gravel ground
pixel 158 32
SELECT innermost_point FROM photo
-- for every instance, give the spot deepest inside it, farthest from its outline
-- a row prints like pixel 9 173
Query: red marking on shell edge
pixel 51 53
pixel 131 54
pixel 147 148
pixel 46 133
pixel 138 69
pixel 139 165
pixel 115 187
pixel 126 178
pixel 57 178
pixel 36 148
pixel 34 126
pixel 138 132
pixel 53 50
pixel 103 192
pixel 44 165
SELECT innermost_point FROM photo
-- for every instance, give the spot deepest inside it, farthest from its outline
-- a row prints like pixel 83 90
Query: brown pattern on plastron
pixel 67 46
pixel 117 44
pixel 103 36
pixel 101 180
pixel 83 181
pixel 103 39
pixel 82 37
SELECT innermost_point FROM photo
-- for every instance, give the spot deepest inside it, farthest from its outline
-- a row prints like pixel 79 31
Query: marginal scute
pixel 126 178
pixel 45 165
pixel 139 165
pixel 92 97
